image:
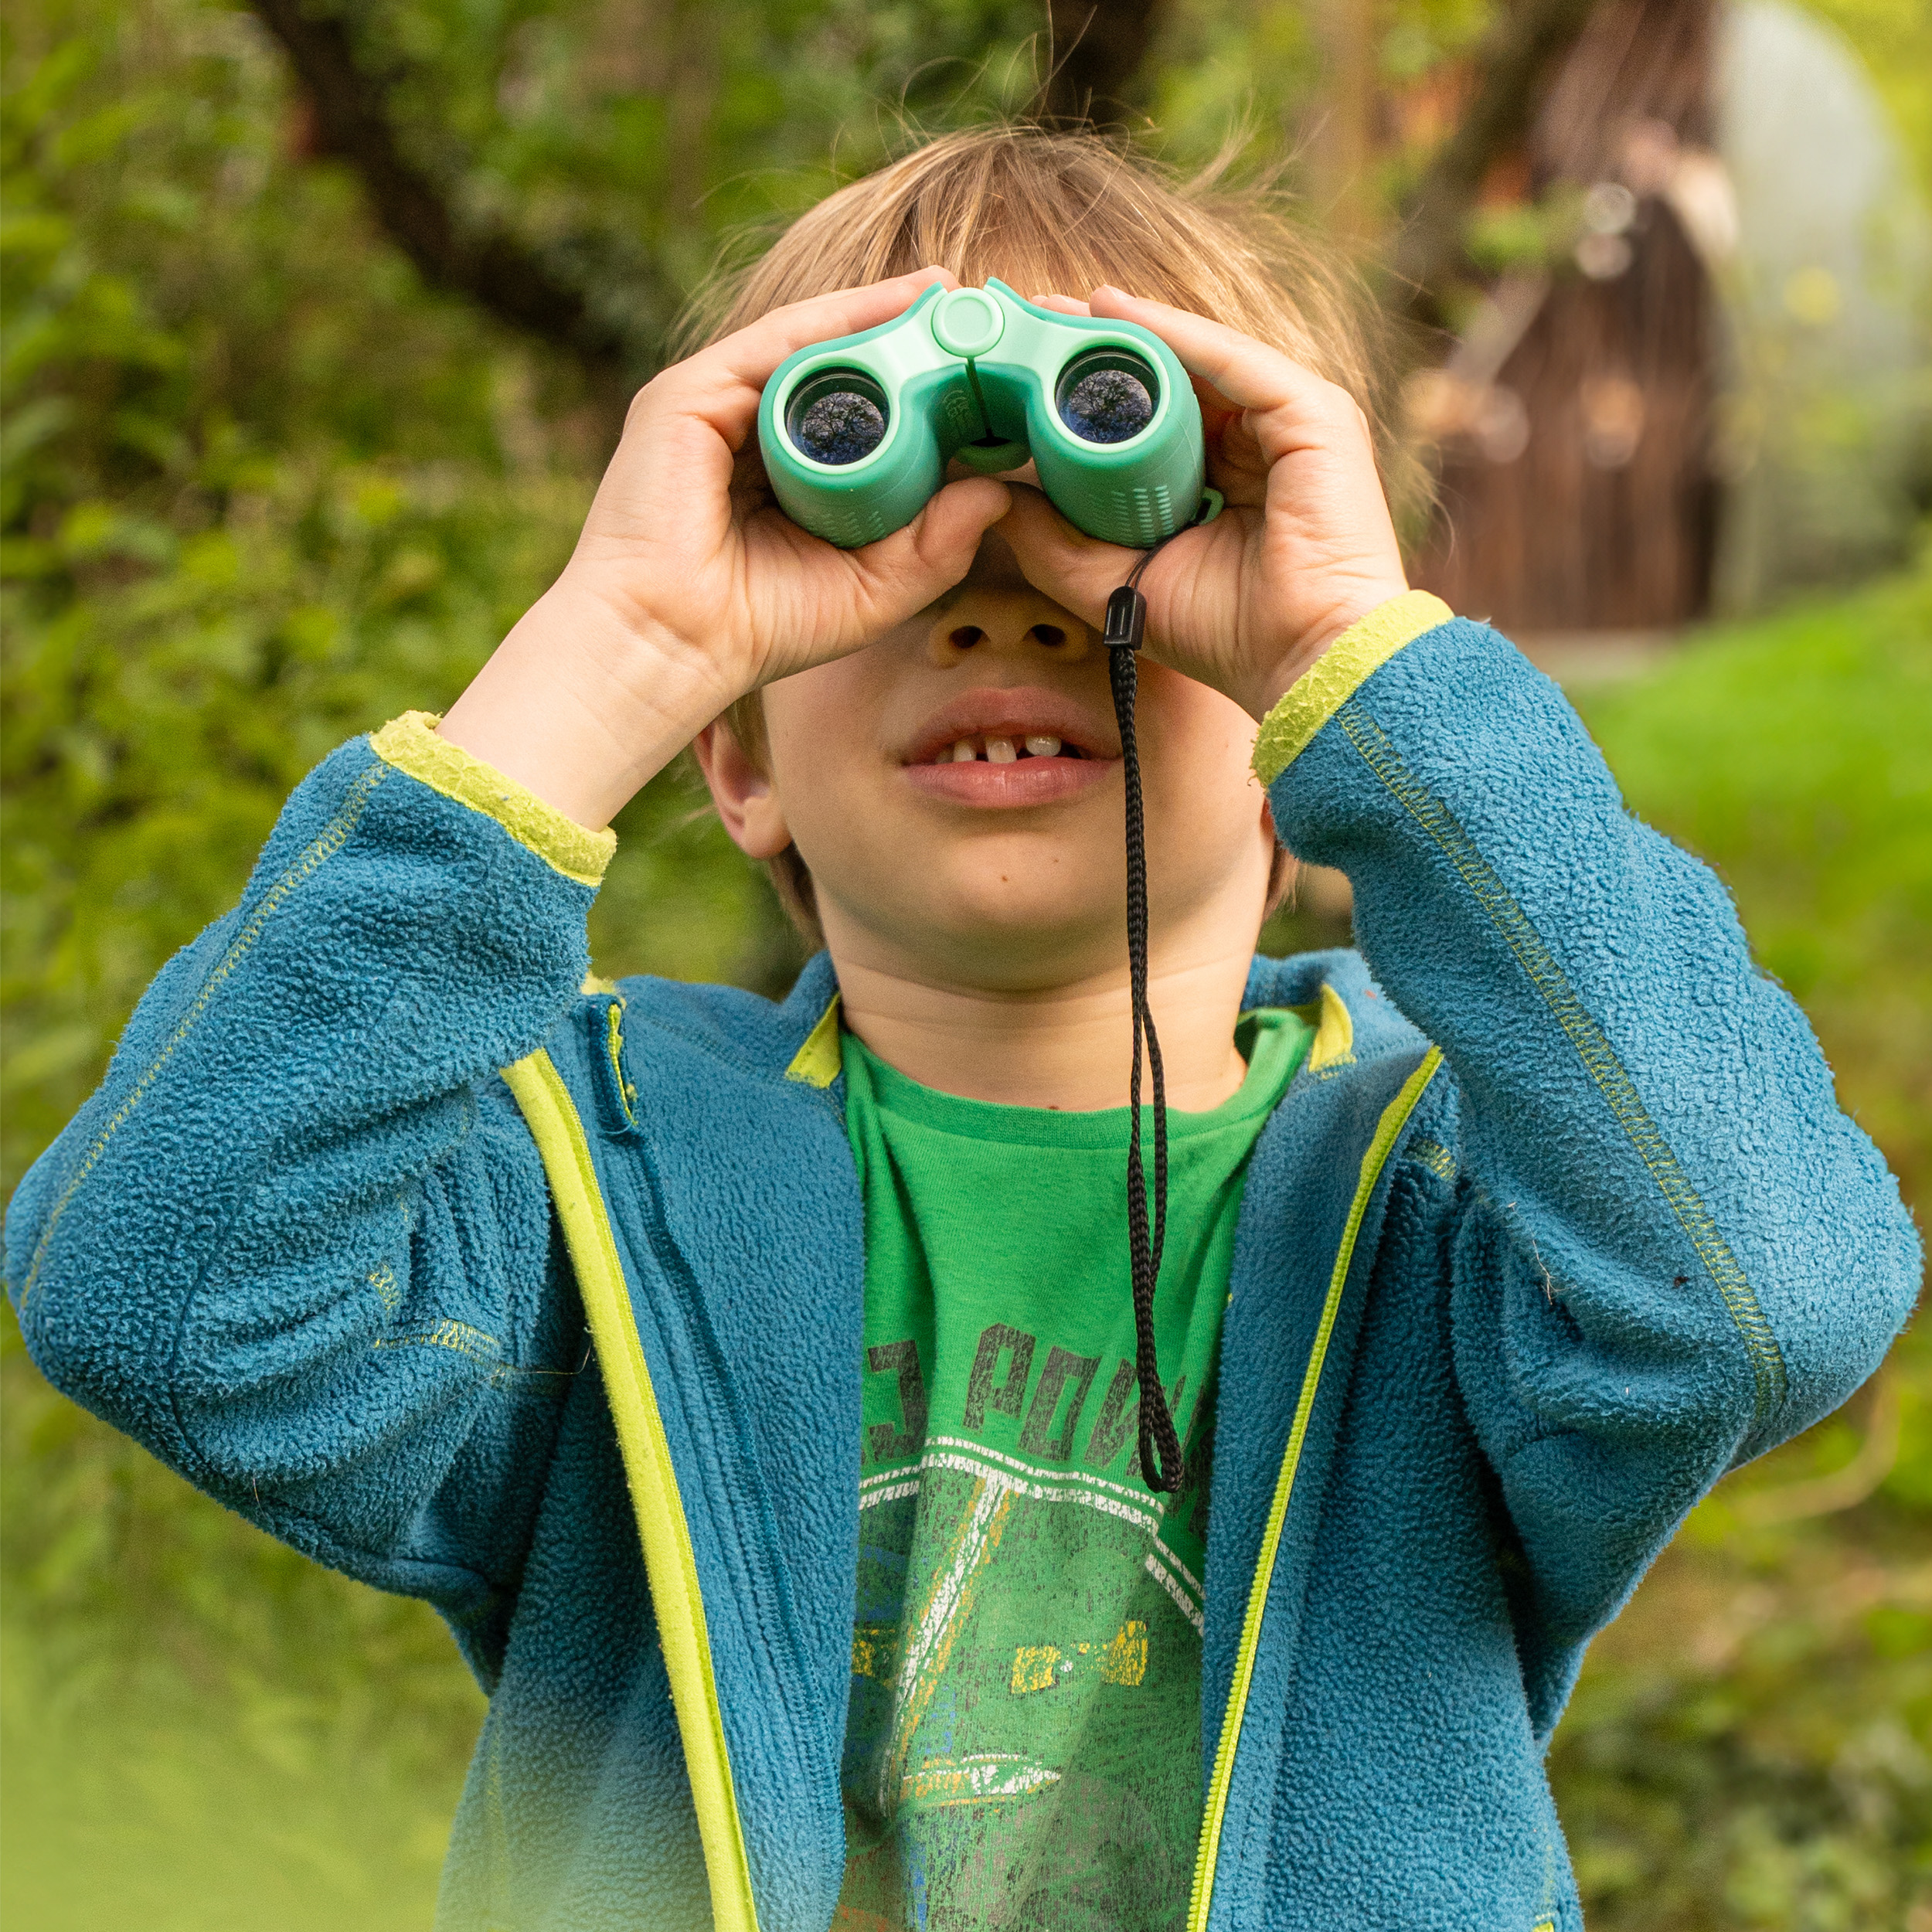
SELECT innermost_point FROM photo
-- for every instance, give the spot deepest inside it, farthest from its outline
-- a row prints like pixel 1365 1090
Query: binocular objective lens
pixel 840 427
pixel 1107 406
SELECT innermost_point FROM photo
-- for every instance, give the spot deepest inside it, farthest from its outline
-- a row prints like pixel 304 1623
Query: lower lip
pixel 1026 781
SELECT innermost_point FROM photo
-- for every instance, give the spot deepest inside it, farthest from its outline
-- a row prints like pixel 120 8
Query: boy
pixel 750 1386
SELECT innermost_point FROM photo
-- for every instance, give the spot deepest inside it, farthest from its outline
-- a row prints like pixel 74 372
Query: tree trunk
pixel 485 261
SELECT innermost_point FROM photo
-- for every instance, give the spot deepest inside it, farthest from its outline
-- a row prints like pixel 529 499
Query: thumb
pixel 906 571
pixel 1078 572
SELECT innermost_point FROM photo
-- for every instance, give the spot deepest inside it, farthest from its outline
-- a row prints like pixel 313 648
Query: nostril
pixel 967 636
pixel 1049 634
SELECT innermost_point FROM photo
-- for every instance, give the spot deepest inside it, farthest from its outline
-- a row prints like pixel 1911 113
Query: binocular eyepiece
pixel 1106 396
pixel 857 432
pixel 840 416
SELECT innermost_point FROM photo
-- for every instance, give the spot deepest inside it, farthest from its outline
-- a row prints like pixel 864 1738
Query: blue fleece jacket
pixel 1559 1221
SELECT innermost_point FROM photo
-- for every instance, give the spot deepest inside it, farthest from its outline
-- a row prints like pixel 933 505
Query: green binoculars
pixel 857 432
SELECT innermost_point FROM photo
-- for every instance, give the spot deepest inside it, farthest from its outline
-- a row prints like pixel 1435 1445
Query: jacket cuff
pixel 412 744
pixel 1333 678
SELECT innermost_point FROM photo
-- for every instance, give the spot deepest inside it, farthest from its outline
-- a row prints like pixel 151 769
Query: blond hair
pixel 1050 212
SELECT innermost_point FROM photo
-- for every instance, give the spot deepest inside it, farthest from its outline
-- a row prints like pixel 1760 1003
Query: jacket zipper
pixel 669 1562
pixel 1395 1116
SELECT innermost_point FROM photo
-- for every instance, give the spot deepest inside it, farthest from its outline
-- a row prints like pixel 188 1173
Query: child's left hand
pixel 1304 548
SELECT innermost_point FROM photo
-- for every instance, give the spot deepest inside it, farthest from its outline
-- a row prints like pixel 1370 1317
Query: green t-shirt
pixel 1023 1747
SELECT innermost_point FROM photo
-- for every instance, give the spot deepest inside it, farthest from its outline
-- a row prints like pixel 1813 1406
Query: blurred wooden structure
pixel 1573 422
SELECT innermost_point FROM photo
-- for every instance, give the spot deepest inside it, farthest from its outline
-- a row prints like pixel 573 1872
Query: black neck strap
pixel 1161 1465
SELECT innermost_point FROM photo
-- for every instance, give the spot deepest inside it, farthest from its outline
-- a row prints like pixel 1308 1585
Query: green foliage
pixel 1749 1746
pixel 203 1731
pixel 233 534
pixel 1791 754
pixel 625 137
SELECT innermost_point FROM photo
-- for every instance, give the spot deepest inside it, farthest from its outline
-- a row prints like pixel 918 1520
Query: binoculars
pixel 857 432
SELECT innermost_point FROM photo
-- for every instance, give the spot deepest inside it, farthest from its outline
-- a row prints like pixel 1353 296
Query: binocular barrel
pixel 857 433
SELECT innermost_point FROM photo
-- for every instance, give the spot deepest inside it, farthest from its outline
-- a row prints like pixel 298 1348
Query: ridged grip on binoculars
pixel 968 371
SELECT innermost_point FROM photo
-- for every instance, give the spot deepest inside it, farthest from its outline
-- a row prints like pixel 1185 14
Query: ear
pixel 745 797
pixel 1283 867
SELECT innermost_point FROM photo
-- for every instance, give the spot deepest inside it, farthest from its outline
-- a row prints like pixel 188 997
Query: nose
pixel 1002 622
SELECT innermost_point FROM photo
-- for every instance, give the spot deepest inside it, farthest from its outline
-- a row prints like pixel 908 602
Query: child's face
pixel 1004 871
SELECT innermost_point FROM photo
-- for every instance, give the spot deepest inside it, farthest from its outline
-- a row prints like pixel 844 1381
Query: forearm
pixel 1648 1117
pixel 296 1159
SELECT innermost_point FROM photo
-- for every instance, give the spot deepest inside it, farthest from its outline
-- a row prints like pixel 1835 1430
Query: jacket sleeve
pixel 299 1244
pixel 1671 1249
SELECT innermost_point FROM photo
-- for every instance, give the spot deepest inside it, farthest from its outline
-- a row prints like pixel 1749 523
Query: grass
pixel 203 1731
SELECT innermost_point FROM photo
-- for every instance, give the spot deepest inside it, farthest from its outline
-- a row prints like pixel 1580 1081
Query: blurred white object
pixel 1699 191
pixel 1609 208
pixel 1822 250
pixel 1603 257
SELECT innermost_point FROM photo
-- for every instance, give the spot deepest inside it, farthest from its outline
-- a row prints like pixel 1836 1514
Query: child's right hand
pixel 684 593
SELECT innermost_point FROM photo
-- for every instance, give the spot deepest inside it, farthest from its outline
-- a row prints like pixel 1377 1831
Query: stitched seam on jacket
pixel 323 847
pixel 446 1332
pixel 1334 677
pixel 613 1041
pixel 1435 1157
pixel 1593 1047
pixel 754 1062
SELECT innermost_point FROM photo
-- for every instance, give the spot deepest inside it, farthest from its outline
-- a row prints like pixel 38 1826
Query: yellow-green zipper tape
pixel 669 1560
pixel 1394 1116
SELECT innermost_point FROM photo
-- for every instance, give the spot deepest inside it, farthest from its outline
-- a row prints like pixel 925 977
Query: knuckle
pixel 651 397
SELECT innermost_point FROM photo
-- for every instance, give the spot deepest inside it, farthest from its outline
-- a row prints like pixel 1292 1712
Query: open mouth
pixel 1009 770
pixel 1006 748
pixel 998 748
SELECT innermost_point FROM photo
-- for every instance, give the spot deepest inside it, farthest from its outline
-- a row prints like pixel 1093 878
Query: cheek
pixel 823 728
pixel 1196 763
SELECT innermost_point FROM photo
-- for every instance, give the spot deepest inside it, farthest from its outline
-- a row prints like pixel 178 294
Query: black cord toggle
pixel 1126 619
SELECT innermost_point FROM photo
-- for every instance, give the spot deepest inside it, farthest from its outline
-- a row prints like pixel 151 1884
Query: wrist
pixel 1274 682
pixel 584 705
pixel 1348 662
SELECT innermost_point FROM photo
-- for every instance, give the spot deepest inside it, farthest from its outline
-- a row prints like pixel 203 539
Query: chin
pixel 1012 935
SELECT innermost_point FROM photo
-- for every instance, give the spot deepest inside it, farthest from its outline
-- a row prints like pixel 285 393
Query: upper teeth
pixel 1000 749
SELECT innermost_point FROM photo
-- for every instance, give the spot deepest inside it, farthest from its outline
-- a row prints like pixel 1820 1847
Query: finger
pixel 721 385
pixel 1078 572
pixel 1216 411
pixel 755 351
pixel 1249 374
pixel 897 577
